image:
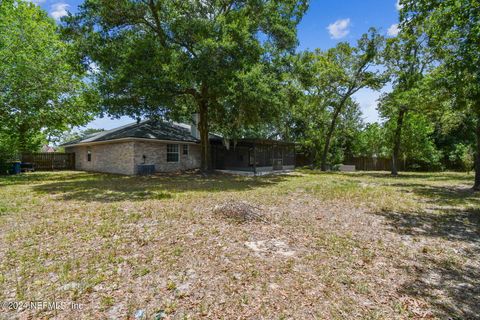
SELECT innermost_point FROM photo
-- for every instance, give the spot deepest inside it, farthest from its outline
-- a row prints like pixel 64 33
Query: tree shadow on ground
pixel 441 195
pixel 454 225
pixel 448 282
pixel 431 176
pixel 39 177
pixel 112 188
pixel 403 176
pixel 453 289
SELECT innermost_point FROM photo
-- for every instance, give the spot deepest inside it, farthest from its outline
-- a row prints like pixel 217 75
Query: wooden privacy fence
pixel 302 160
pixel 47 161
pixel 373 164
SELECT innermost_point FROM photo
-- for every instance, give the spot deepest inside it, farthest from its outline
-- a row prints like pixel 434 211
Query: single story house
pixel 173 147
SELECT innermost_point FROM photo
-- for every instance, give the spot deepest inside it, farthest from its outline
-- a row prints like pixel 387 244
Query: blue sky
pixel 325 24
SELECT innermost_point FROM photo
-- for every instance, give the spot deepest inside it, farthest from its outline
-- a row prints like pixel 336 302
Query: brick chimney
pixel 194 127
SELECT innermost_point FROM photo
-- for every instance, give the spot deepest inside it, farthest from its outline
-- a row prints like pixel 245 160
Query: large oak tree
pixel 218 58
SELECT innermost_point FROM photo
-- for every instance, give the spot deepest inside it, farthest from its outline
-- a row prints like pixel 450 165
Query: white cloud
pixel 368 100
pixel 398 5
pixel 339 28
pixel 59 10
pixel 393 30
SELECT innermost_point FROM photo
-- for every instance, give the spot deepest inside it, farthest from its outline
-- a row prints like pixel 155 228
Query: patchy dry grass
pixel 330 246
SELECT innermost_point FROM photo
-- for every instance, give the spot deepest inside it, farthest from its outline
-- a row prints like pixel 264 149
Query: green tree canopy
pixel 40 90
pixel 407 60
pixel 371 141
pixel 452 28
pixel 331 78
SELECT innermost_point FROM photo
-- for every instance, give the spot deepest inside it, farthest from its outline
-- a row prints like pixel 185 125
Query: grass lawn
pixel 331 246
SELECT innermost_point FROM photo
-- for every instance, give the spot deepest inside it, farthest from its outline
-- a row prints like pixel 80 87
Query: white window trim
pixel 183 150
pixel 178 152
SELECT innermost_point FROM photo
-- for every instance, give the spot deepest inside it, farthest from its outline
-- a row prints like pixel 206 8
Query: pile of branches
pixel 239 211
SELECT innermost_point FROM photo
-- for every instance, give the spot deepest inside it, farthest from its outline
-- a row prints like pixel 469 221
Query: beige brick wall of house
pixel 156 153
pixel 123 157
pixel 109 157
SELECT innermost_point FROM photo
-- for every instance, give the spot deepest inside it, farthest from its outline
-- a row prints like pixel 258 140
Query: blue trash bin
pixel 16 168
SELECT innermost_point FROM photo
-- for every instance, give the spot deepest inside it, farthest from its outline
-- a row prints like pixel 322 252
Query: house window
pixel 185 149
pixel 89 155
pixel 172 152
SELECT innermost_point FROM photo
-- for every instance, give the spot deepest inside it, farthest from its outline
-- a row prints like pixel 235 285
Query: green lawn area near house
pixel 359 245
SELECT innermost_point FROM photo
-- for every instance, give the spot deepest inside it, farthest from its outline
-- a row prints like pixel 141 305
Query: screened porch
pixel 253 155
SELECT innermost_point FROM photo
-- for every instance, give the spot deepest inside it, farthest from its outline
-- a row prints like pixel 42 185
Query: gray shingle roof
pixel 150 129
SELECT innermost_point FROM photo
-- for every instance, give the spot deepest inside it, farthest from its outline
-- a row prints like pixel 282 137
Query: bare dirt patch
pixel 270 247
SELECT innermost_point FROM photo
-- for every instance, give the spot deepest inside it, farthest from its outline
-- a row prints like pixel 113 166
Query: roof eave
pixel 129 139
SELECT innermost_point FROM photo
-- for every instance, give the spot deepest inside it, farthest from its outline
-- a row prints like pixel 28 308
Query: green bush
pixel 462 156
pixel 7 155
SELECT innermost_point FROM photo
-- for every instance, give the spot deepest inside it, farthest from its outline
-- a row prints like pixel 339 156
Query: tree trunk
pixel 396 141
pixel 329 135
pixel 476 186
pixel 205 165
pixel 22 139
